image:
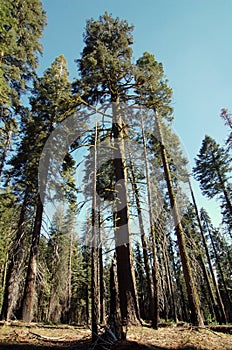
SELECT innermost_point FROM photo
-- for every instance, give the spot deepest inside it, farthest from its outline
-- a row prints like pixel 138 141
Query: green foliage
pixel 152 86
pixel 105 65
pixel 48 100
pixel 212 167
pixel 213 171
pixel 227 117
pixel 22 23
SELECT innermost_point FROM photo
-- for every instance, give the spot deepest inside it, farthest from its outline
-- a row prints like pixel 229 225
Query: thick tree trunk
pixel 128 302
pixel 29 291
pixel 218 306
pixel 194 303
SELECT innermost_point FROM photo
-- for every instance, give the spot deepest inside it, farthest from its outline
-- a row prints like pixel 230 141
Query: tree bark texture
pixel 128 302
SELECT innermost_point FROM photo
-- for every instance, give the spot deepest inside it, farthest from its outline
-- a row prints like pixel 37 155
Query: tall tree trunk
pixel 218 306
pixel 155 272
pixel 29 290
pixel 14 268
pixel 128 302
pixel 193 298
pixel 95 252
pixel 143 240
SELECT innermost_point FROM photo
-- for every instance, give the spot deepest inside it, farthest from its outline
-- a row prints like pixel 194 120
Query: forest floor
pixel 18 336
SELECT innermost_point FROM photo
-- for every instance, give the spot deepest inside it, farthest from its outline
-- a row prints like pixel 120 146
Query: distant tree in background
pixel 212 170
pixel 227 117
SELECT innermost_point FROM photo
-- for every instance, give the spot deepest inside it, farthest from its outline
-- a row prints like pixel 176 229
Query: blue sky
pixel 192 38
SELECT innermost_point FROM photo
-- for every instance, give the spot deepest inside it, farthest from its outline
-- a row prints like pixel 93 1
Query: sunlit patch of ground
pixel 18 336
pixel 183 337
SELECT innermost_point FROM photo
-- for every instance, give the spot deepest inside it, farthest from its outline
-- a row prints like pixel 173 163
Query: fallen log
pixel 221 328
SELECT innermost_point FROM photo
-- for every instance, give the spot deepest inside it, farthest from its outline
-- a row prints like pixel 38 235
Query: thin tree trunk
pixel 194 303
pixel 95 252
pixel 199 255
pixel 128 302
pixel 101 274
pixel 143 241
pixel 218 306
pixel 212 302
pixel 87 313
pixel 13 271
pixel 164 288
pixel 115 319
pixel 66 312
pixel 155 272
pixel 169 280
pixel 219 267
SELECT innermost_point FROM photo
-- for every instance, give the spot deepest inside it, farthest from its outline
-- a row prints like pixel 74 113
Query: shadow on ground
pixel 77 345
pixel 82 345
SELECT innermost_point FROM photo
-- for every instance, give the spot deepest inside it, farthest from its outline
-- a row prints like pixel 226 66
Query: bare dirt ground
pixel 18 336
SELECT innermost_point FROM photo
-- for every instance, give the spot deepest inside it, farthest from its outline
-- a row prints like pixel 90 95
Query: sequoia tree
pixel 106 76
